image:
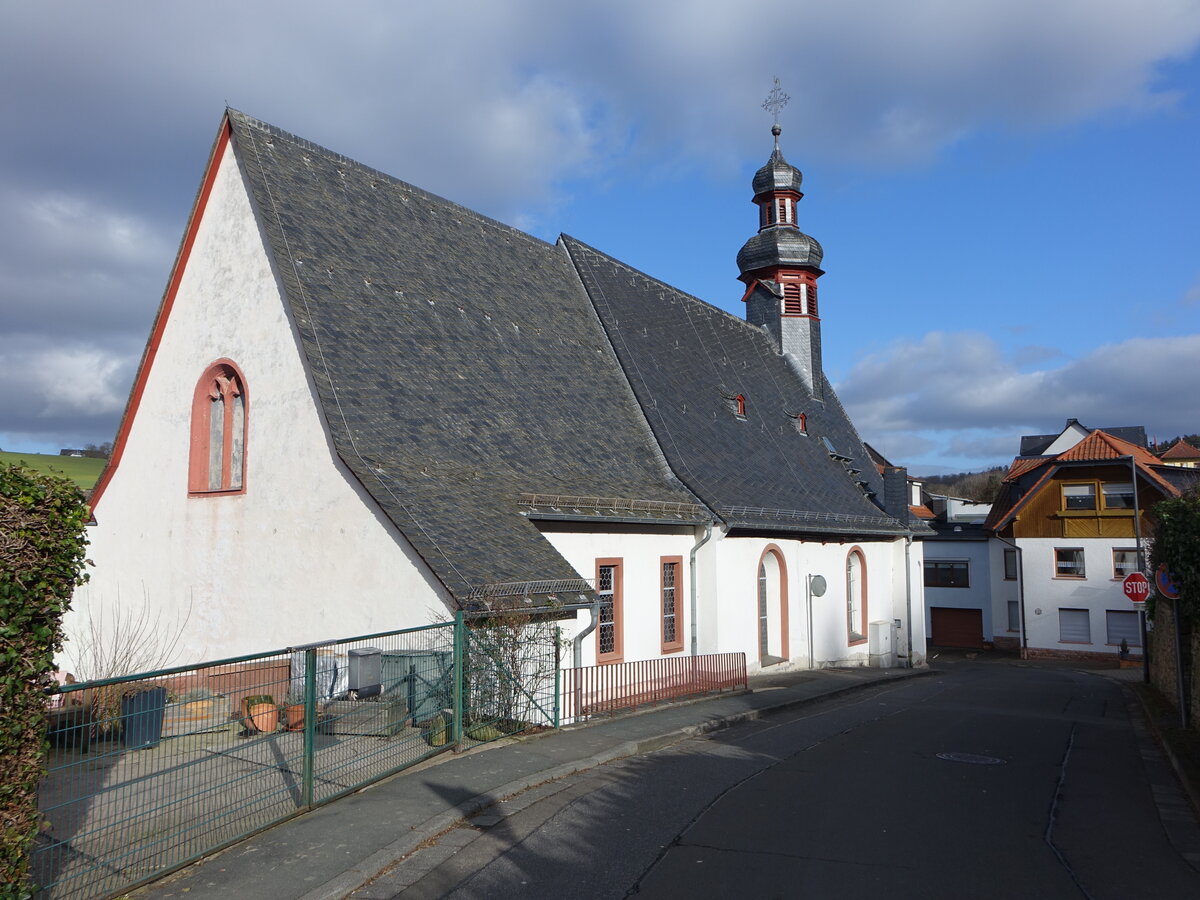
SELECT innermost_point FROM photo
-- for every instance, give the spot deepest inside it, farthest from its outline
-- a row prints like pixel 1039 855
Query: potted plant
pixel 260 713
pixel 293 713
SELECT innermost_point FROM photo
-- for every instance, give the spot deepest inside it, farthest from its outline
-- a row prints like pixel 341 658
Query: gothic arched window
pixel 217 459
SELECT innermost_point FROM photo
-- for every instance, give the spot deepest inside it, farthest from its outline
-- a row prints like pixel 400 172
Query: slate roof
pixel 687 361
pixel 470 383
pixel 458 362
pixel 1036 444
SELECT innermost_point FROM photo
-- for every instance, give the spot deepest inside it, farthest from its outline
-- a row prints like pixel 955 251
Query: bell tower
pixel 780 264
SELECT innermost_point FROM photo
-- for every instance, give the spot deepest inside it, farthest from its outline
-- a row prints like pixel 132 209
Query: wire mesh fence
pixel 149 772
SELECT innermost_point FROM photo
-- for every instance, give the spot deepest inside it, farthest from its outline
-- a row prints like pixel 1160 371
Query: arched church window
pixel 217 459
pixel 856 596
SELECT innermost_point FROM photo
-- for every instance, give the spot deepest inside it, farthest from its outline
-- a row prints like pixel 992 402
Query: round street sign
pixel 1136 587
pixel 1165 583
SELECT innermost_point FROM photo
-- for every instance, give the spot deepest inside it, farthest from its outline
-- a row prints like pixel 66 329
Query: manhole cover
pixel 973 758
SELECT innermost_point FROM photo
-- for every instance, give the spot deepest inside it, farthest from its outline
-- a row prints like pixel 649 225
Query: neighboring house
pixel 1072 507
pixel 1182 454
pixel 963 601
pixel 362 407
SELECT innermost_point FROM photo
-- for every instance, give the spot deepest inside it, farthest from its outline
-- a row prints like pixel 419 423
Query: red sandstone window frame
pixel 222 380
pixel 617 653
pixel 739 406
pixel 855 637
pixel 671 611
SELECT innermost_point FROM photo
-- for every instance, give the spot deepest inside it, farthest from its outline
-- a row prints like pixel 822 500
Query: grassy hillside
pixel 82 470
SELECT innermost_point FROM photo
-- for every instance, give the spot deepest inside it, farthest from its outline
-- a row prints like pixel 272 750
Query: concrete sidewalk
pixel 327 853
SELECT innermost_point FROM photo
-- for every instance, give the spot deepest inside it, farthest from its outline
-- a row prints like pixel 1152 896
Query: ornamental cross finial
pixel 776 101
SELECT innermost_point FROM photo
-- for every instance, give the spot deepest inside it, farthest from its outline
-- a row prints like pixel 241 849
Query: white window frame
pixel 1059 565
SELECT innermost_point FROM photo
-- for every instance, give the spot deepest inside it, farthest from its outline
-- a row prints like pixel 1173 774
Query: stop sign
pixel 1136 587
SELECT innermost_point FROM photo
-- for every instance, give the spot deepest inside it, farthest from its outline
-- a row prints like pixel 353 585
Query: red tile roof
pixel 1099 446
pixel 1182 450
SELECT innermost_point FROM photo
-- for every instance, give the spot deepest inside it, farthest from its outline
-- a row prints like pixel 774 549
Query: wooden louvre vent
pixel 793 298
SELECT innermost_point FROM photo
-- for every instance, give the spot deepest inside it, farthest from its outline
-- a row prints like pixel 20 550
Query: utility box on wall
pixel 881 644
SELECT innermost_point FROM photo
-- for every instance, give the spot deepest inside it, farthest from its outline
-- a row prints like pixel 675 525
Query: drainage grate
pixel 973 758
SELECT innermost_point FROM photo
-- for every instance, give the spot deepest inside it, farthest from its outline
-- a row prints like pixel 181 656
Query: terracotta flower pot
pixel 265 717
pixel 294 713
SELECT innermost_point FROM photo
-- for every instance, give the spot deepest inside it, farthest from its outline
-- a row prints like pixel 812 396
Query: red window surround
pixel 671 591
pixel 856 596
pixel 217 452
pixel 610 642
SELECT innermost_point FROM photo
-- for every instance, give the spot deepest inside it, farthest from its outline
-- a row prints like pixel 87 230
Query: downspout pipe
pixel 708 527
pixel 577 643
pixel 908 641
pixel 1020 593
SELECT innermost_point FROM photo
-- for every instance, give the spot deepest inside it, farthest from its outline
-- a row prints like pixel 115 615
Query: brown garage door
pixel 956 627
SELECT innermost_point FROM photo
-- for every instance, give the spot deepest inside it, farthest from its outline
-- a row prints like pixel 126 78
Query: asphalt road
pixel 991 780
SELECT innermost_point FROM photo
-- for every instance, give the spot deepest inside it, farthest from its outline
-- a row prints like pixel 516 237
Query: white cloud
pixel 963 391
pixel 56 391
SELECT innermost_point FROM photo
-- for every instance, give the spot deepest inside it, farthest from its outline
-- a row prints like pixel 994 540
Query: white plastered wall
pixel 727 594
pixel 304 554
pixel 641 575
pixel 977 595
pixel 1045 594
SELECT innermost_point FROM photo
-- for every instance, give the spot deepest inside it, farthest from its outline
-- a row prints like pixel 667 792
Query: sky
pixel 1007 191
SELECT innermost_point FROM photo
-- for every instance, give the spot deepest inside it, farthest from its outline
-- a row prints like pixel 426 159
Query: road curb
pixel 1190 789
pixel 358 875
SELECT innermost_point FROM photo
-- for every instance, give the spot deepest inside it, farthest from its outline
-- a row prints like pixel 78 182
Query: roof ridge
pixel 334 156
pixel 670 287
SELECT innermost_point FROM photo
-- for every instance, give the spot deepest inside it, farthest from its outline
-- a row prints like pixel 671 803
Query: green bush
pixel 1177 546
pixel 42 543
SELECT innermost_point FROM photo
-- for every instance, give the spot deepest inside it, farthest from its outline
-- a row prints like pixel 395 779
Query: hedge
pixel 42 544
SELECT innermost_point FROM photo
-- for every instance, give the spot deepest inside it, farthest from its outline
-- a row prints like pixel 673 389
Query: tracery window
pixel 218 436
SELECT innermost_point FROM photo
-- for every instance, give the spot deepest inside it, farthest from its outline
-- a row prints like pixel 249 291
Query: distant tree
pixel 98 451
pixel 1163 446
pixel 981 486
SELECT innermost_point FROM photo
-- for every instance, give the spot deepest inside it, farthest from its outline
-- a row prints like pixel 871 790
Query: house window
pixel 1014 615
pixel 1118 495
pixel 739 405
pixel 1123 625
pixel 1124 561
pixel 856 596
pixel 1068 562
pixel 609 640
pixel 1079 496
pixel 1010 565
pixel 802 423
pixel 1074 626
pixel 217 458
pixel 951 573
pixel 672 621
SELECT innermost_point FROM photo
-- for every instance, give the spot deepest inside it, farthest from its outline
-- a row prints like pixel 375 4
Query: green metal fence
pixel 149 772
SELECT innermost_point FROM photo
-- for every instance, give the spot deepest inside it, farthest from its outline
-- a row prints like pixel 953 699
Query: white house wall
pixel 304 554
pixel 977 595
pixel 727 594
pixel 1045 594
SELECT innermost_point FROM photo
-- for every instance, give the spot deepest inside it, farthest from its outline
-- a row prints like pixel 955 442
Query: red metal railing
pixel 597 690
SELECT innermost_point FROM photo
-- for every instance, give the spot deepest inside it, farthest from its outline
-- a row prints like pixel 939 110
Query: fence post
pixel 310 724
pixel 460 649
pixel 557 673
